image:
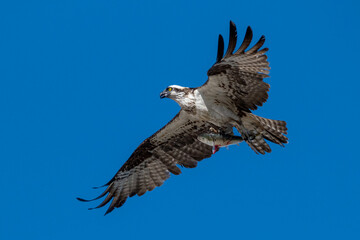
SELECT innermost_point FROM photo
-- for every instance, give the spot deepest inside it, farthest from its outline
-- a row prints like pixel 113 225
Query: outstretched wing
pixel 156 157
pixel 238 77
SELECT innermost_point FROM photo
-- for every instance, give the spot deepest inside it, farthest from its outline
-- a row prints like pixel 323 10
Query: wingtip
pixel 82 200
pixel 109 210
pixel 248 33
pixel 232 40
pixel 220 52
pixel 85 200
pixel 92 208
pixel 233 27
pixel 246 42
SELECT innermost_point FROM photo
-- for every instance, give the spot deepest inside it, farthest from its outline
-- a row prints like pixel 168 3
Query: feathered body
pixel 224 114
pixel 234 88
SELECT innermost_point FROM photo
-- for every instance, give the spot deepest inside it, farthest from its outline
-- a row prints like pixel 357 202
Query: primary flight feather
pixel 234 87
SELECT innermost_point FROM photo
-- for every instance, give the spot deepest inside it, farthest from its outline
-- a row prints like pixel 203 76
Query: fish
pixel 218 140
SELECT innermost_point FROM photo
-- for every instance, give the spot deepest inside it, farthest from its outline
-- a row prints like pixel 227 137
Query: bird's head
pixel 174 92
pixel 178 94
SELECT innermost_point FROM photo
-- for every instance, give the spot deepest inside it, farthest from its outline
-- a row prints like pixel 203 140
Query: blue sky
pixel 79 91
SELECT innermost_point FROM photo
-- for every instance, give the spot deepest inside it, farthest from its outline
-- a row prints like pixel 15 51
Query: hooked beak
pixel 164 94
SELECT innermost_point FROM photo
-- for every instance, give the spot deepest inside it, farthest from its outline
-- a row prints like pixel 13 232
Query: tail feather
pixel 274 130
pixel 259 145
pixel 258 129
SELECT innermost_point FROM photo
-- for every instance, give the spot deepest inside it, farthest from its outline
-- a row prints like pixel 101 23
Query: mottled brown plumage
pixel 158 156
pixel 237 79
pixel 234 87
pixel 241 74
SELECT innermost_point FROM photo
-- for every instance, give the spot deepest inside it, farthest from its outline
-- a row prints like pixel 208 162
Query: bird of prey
pixel 234 87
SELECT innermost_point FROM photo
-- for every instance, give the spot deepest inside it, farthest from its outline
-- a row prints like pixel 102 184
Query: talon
pixel 221 132
pixel 248 135
pixel 213 130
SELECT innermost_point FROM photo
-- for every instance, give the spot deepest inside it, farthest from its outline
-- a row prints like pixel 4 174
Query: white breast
pixel 212 111
pixel 199 102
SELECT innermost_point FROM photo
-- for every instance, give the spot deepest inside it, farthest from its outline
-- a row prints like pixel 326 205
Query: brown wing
pixel 153 161
pixel 238 77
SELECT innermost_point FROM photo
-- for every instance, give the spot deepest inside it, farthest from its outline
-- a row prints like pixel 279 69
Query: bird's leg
pixel 248 135
pixel 221 132
pixel 213 130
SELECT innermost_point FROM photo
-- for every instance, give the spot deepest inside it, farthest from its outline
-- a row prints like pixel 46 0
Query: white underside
pixel 219 114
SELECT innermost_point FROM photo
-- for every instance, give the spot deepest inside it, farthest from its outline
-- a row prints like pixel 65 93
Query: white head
pixel 176 93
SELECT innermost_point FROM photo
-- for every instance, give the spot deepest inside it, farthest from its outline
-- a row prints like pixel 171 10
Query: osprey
pixel 234 87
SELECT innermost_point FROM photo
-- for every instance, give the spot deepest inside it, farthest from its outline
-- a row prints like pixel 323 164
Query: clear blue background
pixel 79 91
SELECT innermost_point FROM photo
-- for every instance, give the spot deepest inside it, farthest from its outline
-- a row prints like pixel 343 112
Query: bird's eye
pixel 169 89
